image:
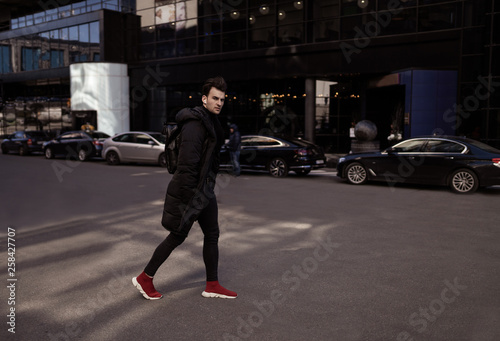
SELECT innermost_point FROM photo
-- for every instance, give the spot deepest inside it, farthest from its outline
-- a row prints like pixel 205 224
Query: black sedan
pixel 24 142
pixel 277 155
pixel 80 145
pixel 461 163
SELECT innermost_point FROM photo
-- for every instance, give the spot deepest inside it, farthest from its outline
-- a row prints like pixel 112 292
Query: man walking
pixel 190 194
pixel 234 147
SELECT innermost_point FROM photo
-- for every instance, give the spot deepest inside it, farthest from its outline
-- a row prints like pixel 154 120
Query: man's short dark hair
pixel 216 82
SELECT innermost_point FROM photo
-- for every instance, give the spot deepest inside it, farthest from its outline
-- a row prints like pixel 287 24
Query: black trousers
pixel 208 220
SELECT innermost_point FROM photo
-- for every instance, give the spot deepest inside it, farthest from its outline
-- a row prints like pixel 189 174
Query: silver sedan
pixel 135 146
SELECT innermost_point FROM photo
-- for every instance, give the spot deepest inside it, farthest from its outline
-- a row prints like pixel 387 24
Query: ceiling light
pixel 362 3
pixel 235 14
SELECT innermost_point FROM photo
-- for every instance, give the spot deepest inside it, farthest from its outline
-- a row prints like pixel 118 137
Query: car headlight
pixel 342 159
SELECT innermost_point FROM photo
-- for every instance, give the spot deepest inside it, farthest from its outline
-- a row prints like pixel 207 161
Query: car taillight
pixel 496 162
pixel 302 152
pixel 30 142
pixel 97 143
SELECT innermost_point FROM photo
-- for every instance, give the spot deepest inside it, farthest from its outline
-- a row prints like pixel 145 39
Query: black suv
pixel 24 142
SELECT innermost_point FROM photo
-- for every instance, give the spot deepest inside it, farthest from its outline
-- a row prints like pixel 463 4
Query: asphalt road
pixel 312 258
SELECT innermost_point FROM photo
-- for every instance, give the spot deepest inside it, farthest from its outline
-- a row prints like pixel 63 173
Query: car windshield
pixel 484 146
pixel 159 137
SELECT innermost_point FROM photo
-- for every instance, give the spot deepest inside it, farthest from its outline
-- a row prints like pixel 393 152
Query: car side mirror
pixel 151 143
pixel 390 150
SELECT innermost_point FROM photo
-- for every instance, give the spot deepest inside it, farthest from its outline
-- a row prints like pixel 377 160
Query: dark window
pixel 148 34
pixel 326 30
pixel 126 138
pixel 209 44
pixel 350 7
pixel 409 146
pixel 439 17
pixel 5 63
pixel 400 22
pixel 165 32
pixel 234 41
pixel 439 146
pixel 142 139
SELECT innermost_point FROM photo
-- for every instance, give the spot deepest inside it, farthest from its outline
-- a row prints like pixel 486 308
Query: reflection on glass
pixel 94 32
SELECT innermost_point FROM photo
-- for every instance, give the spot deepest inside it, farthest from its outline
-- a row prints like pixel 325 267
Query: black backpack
pixel 173 141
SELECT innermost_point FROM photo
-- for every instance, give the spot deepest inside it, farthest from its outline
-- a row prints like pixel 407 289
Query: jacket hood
pixel 234 126
pixel 196 113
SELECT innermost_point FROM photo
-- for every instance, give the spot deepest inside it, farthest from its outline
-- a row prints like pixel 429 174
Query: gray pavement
pixel 312 258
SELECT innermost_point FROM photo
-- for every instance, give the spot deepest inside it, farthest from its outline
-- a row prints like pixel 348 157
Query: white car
pixel 135 146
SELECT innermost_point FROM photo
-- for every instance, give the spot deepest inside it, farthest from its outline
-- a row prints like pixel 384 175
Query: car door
pixel 248 153
pixel 401 162
pixel 438 159
pixel 126 146
pixel 65 144
pixel 146 148
pixel 15 141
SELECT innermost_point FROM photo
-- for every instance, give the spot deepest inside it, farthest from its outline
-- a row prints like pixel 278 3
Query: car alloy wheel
pixel 112 158
pixel 278 168
pixel 464 181
pixel 82 155
pixel 48 153
pixel 356 173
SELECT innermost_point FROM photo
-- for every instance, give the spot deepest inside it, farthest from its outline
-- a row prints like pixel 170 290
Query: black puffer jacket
pixel 193 182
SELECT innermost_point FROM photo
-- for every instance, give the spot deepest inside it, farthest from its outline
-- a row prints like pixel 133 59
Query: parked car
pixel 135 146
pixel 80 145
pixel 461 163
pixel 277 155
pixel 24 142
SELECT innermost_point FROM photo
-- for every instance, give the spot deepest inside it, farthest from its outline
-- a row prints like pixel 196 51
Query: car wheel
pixel 278 168
pixel 23 151
pixel 83 155
pixel 464 181
pixel 302 172
pixel 162 160
pixel 49 154
pixel 356 173
pixel 112 158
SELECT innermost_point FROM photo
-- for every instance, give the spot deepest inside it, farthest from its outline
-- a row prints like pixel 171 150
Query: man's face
pixel 214 101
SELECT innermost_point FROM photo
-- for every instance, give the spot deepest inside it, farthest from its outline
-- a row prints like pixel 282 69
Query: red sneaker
pixel 214 289
pixel 145 285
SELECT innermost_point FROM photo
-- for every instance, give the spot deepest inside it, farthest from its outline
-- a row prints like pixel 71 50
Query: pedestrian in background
pixel 190 194
pixel 234 147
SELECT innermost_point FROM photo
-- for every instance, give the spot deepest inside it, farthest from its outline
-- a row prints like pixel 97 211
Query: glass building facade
pixel 38 44
pixel 306 68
